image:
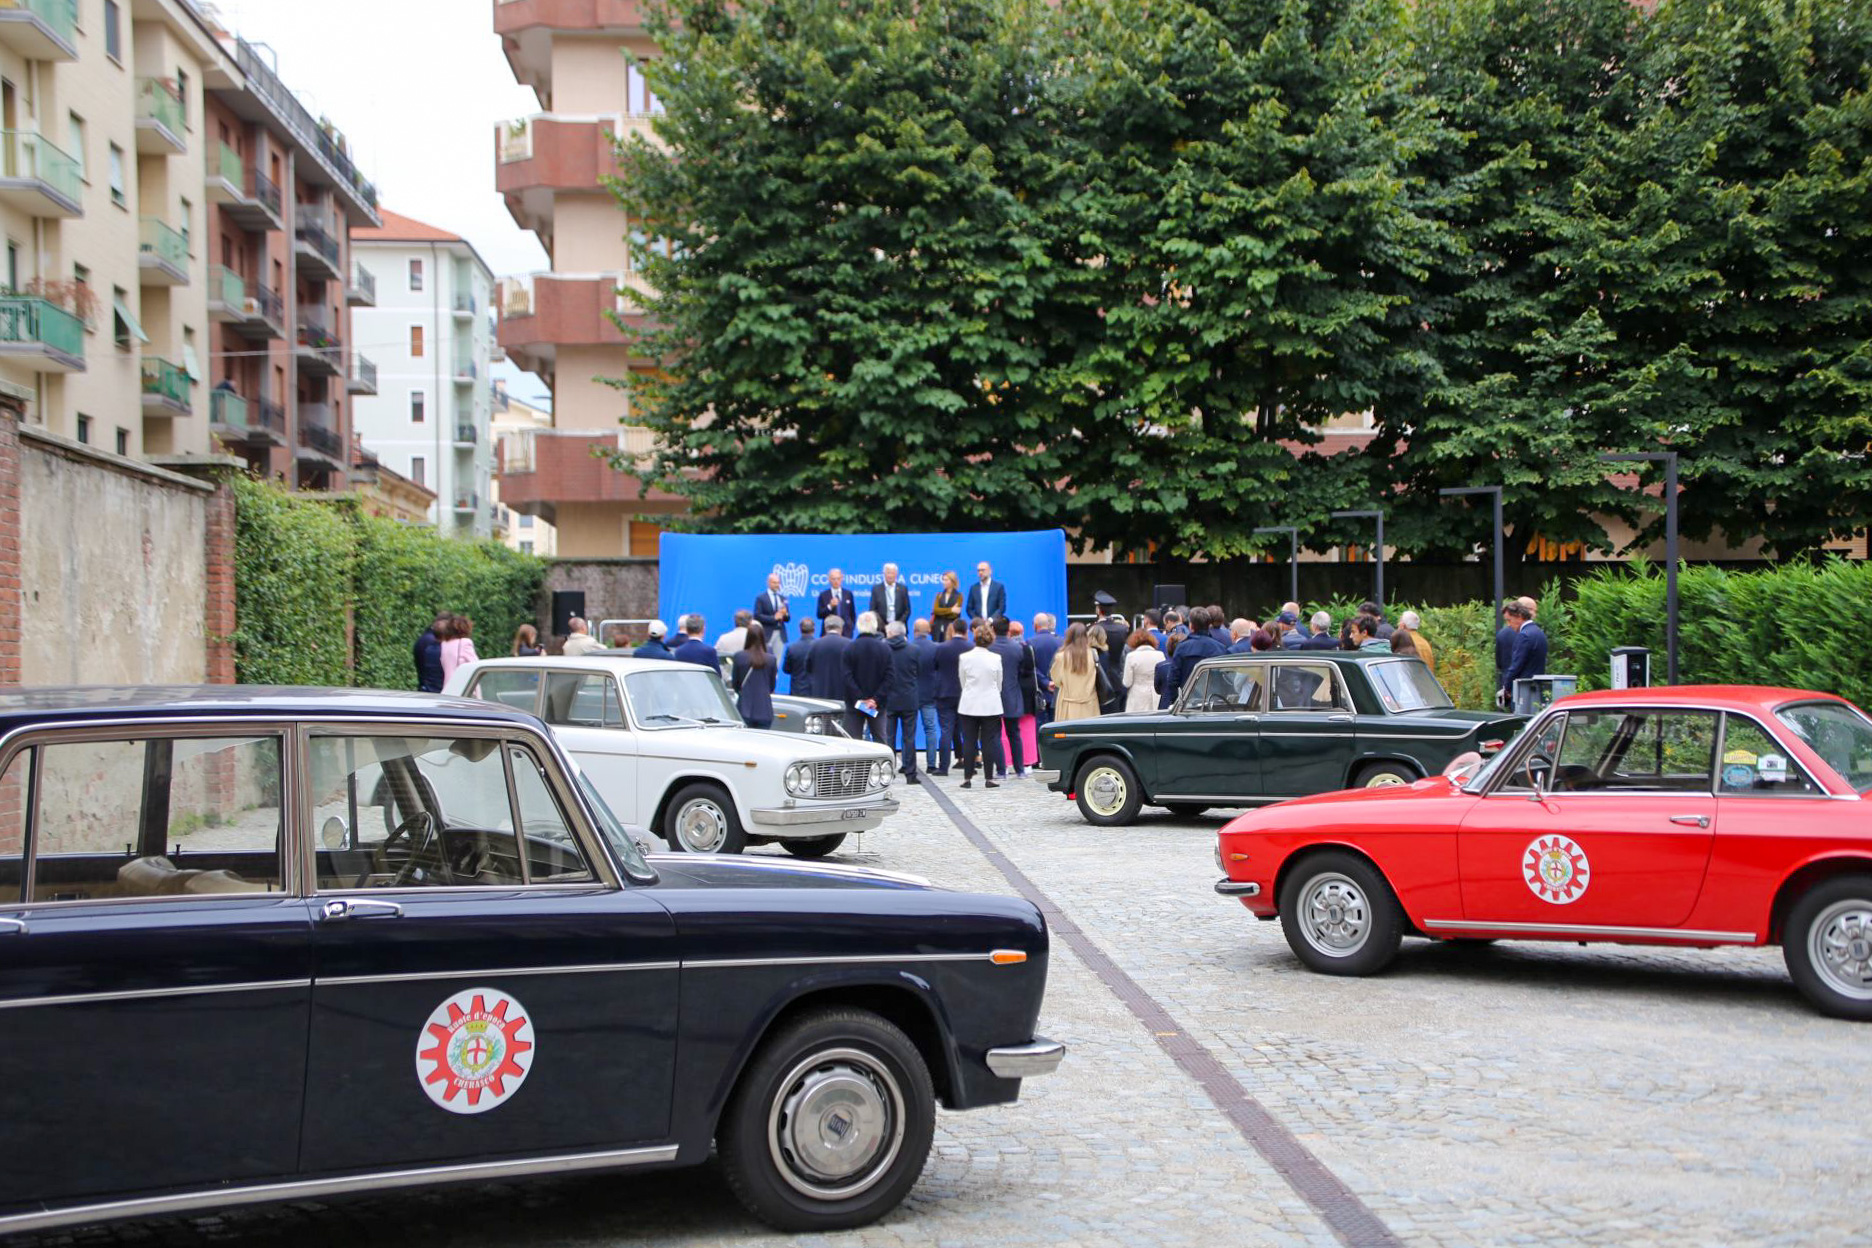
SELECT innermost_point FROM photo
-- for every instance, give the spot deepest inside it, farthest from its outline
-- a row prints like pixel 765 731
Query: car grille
pixel 842 778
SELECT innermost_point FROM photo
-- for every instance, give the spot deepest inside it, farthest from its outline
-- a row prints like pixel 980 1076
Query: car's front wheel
pixel 1107 791
pixel 701 820
pixel 813 846
pixel 1339 915
pixel 830 1124
pixel 1827 944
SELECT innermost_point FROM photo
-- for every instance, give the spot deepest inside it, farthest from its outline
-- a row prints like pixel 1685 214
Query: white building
pixel 530 535
pixel 431 339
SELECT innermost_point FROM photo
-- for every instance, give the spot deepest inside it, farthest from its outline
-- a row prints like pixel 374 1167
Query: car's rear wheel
pixel 1185 810
pixel 1339 915
pixel 813 846
pixel 1827 944
pixel 1383 776
pixel 701 820
pixel 1107 791
pixel 830 1124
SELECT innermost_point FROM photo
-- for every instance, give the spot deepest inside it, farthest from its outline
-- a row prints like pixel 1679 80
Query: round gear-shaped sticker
pixel 1556 869
pixel 475 1051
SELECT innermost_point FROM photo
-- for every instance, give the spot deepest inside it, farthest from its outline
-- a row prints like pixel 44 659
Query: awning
pixel 190 364
pixel 130 321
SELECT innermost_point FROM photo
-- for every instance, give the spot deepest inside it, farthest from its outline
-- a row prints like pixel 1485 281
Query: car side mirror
pixel 334 834
pixel 1540 771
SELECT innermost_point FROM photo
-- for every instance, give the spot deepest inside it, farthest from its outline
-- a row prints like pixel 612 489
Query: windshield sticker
pixel 1738 776
pixel 475 1051
pixel 1773 767
pixel 1556 869
pixel 1740 756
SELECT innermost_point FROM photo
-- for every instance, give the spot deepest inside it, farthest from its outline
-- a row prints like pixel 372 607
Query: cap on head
pixel 1290 617
pixel 658 628
pixel 1103 599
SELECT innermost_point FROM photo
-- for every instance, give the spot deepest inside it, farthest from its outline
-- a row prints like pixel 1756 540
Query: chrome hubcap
pixel 1841 944
pixel 1104 791
pixel 1334 915
pixel 701 826
pixel 837 1124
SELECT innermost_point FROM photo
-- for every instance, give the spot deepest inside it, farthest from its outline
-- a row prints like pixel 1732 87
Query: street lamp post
pixel 1378 550
pixel 1669 460
pixel 1293 556
pixel 1495 540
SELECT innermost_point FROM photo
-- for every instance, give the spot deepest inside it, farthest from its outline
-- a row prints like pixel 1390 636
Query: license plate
pixel 856 814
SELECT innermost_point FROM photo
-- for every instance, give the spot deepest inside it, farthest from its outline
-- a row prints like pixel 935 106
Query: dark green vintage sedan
pixel 1256 728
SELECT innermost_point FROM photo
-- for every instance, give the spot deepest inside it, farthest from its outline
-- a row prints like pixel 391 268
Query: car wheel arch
pixel 1813 872
pixel 1298 858
pixel 1087 757
pixel 1366 761
pixel 680 782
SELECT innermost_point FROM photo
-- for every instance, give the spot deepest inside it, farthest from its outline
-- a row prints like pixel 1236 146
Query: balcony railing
pixel 26 320
pixel 263 305
pixel 30 156
pixel 516 141
pixel 464 370
pixel 465 433
pixel 270 416
pixel 160 101
pixel 465 303
pixel 364 282
pixel 265 190
pixel 227 409
pixel 468 502
pixel 364 372
pixel 164 380
pixel 265 83
pixel 316 432
pixel 312 232
pixel 227 288
pixel 59 16
pixel 318 335
pixel 157 239
pixel 228 167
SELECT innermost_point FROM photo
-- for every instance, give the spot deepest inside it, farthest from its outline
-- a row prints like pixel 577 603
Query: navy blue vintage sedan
pixel 272 944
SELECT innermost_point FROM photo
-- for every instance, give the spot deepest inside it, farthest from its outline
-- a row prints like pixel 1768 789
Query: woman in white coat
pixel 978 713
pixel 1140 671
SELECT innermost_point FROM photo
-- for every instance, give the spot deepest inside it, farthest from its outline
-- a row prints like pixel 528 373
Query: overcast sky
pixel 417 87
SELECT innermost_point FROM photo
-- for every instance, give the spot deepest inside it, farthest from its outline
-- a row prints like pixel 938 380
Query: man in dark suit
pixel 890 600
pixel 867 682
pixel 927 718
pixel 1530 650
pixel 772 614
pixel 1010 652
pixel 694 649
pixel 838 601
pixel 948 658
pixel 826 664
pixel 794 664
pixel 1045 643
pixel 987 597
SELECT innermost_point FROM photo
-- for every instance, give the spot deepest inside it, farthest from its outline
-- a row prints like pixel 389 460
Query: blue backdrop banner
pixel 719 575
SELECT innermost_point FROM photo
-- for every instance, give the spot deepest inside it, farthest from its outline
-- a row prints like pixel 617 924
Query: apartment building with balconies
pixel 515 425
pixel 430 342
pixel 549 167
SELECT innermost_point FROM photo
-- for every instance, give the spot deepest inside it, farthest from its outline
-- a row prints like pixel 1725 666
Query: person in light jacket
pixel 1075 672
pixel 1140 671
pixel 458 646
pixel 978 710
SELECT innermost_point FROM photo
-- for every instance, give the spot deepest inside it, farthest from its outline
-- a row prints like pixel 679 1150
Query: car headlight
pixel 881 772
pixel 799 780
pixel 815 725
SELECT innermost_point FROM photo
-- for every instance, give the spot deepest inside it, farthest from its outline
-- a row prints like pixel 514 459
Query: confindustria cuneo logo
pixel 794 578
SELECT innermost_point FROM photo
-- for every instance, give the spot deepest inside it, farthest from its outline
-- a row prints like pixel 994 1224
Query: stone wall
pixel 624 589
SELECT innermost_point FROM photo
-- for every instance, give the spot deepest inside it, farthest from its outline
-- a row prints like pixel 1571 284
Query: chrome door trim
pixel 1589 932
pixel 1233 799
pixel 406 977
pixel 139 994
pixel 843 960
pixel 299 1189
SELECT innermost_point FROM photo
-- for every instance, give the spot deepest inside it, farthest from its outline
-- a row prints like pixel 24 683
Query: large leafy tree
pixel 1244 243
pixel 854 309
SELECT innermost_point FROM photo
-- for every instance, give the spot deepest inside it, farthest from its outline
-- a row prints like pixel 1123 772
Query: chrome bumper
pixel 827 817
pixel 1237 888
pixel 1038 1056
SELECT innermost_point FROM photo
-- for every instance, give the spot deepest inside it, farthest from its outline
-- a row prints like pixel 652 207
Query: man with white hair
pixel 1412 623
pixel 837 600
pixel 1322 638
pixel 1286 627
pixel 867 681
pixel 901 696
pixel 890 600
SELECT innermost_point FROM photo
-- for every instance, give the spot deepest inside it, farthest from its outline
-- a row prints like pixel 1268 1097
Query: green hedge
pixel 301 564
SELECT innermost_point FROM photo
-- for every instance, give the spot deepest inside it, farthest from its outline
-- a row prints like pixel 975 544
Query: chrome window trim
pixel 1233 799
pixel 854 959
pixel 139 994
pixel 1590 930
pixel 487 973
pixel 1342 692
pixel 1722 744
pixel 300 1189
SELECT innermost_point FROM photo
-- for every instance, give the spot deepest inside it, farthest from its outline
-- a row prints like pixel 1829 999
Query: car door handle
pixel 346 908
pixel 12 927
pixel 1691 821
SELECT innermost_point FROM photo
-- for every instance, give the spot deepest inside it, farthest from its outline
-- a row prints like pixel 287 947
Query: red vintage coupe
pixel 1696 815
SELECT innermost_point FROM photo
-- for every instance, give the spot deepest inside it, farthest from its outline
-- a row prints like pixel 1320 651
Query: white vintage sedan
pixel 664 744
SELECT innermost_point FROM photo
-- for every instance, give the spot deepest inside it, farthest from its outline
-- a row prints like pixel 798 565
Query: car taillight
pixel 1492 747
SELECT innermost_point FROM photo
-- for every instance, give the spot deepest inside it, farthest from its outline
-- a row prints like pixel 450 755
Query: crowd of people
pixel 976 685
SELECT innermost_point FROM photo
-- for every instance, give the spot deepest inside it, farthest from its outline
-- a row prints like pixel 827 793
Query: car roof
pixel 79 702
pixel 1756 698
pixel 607 660
pixel 1311 656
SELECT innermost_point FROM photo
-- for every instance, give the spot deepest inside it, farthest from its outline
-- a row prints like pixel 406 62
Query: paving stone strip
pixel 1341 1209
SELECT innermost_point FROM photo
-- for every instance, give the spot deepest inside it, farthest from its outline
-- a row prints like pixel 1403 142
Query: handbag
pixel 1104 683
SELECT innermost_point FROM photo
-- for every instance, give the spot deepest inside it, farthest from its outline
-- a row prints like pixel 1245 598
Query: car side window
pixel 1305 687
pixel 412 812
pixel 1637 751
pixel 1227 690
pixel 582 700
pixel 552 849
pixel 14 795
pixel 156 817
pixel 1755 765
pixel 517 687
pixel 1534 768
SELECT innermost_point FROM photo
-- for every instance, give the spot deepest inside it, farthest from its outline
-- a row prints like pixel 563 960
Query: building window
pixel 186 225
pixel 416 469
pixel 415 275
pixel 84 428
pixel 526 548
pixel 120 319
pixel 123 440
pixel 181 79
pixel 526 521
pixel 416 341
pixel 416 400
pixel 75 136
pixel 117 176
pixel 12 265
pixel 113 31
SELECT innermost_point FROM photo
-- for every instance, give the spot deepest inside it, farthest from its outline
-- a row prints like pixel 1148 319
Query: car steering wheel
pixel 422 821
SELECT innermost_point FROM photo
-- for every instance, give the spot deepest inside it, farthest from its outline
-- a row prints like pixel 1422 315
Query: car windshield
pixel 613 831
pixel 1839 734
pixel 1407 685
pixel 673 697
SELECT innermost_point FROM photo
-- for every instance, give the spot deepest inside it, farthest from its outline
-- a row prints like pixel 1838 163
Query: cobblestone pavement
pixel 1507 1094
